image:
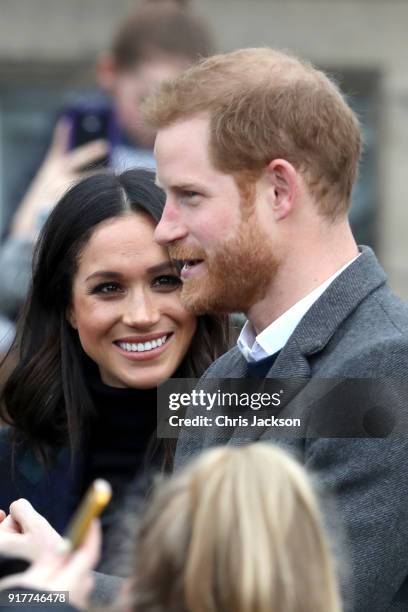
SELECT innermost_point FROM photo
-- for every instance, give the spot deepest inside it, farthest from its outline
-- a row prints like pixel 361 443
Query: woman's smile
pixel 142 350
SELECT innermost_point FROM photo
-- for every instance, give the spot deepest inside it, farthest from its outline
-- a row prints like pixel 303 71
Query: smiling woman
pixel 102 327
pixel 126 305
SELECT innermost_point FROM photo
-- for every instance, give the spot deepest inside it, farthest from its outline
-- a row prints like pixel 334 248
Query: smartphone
pixel 92 122
pixel 96 499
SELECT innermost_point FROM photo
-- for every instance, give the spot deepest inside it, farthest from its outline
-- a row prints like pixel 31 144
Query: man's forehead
pixel 182 133
pixel 182 152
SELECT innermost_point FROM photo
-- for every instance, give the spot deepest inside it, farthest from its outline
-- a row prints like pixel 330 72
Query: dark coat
pixel 357 329
pixel 54 492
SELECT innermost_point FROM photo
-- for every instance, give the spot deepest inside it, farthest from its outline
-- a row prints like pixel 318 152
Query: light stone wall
pixel 363 34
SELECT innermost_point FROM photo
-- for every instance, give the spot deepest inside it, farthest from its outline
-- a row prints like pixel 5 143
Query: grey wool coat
pixel 358 329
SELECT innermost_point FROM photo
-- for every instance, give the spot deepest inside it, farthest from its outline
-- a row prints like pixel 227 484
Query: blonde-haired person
pixel 238 530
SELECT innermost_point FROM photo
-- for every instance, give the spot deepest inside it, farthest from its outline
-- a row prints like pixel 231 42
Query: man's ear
pixel 106 71
pixel 283 181
pixel 71 318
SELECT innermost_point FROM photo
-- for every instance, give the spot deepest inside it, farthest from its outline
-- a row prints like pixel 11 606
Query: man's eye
pixel 106 288
pixel 167 282
pixel 189 197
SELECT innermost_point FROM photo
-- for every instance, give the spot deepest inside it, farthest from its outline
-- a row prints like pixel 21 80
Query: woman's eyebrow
pixel 162 267
pixel 104 274
pixel 111 274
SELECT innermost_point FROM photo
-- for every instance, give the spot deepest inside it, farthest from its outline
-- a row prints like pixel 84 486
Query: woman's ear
pixel 70 317
pixel 283 185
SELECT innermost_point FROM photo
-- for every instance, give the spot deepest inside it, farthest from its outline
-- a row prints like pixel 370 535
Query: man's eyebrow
pixel 186 184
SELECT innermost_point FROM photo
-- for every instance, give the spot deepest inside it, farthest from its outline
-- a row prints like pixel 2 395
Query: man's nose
pixel 141 310
pixel 170 227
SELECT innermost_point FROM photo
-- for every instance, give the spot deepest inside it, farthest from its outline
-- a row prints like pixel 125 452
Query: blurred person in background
pixel 238 530
pixel 156 42
pixel 103 326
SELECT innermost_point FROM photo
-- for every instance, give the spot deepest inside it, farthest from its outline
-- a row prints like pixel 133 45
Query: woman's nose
pixel 141 310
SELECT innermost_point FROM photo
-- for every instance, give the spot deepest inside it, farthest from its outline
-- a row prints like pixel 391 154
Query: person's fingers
pixel 14 545
pixel 24 514
pixel 9 525
pixel 60 138
pixel 89 552
pixel 93 541
pixel 37 535
pixel 2 515
pixel 84 559
pixel 87 154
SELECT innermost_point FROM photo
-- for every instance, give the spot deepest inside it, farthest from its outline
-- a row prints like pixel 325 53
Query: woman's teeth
pixel 140 347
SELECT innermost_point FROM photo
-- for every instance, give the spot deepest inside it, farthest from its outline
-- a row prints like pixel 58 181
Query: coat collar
pixel 339 300
pixel 320 323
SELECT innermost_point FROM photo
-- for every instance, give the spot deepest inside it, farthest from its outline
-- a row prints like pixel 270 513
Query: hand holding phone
pixel 60 169
pixel 94 502
pixel 59 574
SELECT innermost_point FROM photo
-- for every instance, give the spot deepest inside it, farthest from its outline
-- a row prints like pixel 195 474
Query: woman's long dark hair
pixel 46 398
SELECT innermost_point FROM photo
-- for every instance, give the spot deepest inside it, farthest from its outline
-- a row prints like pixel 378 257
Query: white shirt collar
pixel 275 336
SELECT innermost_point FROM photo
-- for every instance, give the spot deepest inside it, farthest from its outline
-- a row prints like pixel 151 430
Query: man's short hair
pixel 264 104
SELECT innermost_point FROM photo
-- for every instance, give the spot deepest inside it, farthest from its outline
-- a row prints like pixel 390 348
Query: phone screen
pixel 88 124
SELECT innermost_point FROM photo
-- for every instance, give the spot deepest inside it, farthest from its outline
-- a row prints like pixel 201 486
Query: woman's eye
pixel 167 281
pixel 107 288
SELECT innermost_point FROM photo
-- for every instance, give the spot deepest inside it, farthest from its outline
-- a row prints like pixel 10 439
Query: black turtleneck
pixel 120 433
pixel 119 436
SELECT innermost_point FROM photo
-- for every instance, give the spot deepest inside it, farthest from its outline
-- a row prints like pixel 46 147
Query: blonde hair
pixel 264 104
pixel 238 530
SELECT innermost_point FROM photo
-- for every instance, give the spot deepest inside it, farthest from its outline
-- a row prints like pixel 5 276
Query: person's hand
pixel 8 524
pixel 60 170
pixel 54 571
pixel 25 533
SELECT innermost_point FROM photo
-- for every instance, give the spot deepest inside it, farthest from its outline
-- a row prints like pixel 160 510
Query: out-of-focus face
pixel 209 225
pixel 131 87
pixel 126 305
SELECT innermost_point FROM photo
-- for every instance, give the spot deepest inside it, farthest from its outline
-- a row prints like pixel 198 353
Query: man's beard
pixel 234 278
